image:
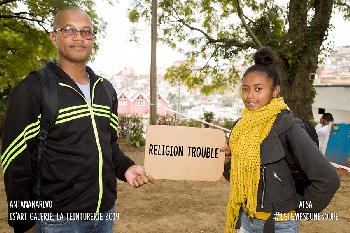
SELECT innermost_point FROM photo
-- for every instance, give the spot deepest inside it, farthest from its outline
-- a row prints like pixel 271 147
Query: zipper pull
pixel 276 176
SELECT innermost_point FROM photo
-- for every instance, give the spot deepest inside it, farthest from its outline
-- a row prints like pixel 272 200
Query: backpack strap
pixel 49 103
pixel 107 86
pixel 310 130
pixel 49 112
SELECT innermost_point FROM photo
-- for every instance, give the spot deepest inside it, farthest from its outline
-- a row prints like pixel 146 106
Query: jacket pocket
pixel 281 182
pixel 276 186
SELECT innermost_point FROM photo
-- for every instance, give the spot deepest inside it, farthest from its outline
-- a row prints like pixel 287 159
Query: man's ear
pixel 276 91
pixel 53 37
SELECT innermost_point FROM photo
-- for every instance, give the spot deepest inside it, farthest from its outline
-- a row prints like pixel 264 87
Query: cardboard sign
pixel 184 153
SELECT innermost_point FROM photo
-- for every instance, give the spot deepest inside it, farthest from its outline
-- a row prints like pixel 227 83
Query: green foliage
pixel 269 27
pixel 170 119
pixel 135 138
pixel 182 73
pixel 343 6
pixel 226 123
pixel 190 123
pixel 186 74
pixel 208 117
pixel 214 35
pixel 131 128
pixel 24 29
pixel 133 16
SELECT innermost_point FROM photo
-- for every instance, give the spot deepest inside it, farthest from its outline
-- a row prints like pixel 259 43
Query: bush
pixel 226 123
pixel 131 128
pixel 170 119
pixel 208 117
pixel 135 138
pixel 190 123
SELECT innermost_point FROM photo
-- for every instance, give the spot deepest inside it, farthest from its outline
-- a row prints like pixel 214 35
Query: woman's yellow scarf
pixel 245 140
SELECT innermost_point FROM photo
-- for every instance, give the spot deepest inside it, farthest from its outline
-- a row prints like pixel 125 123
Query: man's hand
pixel 227 150
pixel 136 176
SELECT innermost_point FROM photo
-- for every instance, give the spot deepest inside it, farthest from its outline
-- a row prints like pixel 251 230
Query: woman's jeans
pixel 249 225
pixel 103 224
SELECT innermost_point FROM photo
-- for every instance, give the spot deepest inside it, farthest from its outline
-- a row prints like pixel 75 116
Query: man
pixel 322 128
pixel 81 157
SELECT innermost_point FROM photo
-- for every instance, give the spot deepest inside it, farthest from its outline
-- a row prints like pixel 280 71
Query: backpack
pixel 49 112
pixel 310 130
pixel 300 179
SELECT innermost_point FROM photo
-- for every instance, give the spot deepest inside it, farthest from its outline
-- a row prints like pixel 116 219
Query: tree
pixel 24 41
pixel 153 70
pixel 221 31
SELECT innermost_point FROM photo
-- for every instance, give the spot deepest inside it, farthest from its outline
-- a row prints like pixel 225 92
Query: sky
pixel 117 52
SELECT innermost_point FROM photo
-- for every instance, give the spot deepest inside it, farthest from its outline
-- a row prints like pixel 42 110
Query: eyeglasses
pixel 70 32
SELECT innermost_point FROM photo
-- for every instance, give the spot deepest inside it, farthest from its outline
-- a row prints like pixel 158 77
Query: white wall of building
pixel 334 99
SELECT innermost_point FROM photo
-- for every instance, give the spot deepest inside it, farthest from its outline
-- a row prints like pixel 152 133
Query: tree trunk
pixel 153 69
pixel 299 95
pixel 304 43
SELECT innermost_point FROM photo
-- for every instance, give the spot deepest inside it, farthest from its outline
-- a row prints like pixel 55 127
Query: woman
pixel 260 179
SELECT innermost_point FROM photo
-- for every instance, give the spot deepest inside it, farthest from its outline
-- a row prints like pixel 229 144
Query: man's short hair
pixel 328 117
pixel 57 18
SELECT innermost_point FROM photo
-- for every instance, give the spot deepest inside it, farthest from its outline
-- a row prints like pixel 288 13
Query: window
pixel 140 101
pixel 123 102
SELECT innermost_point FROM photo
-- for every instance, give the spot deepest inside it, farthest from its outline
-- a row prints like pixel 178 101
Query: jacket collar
pixel 283 121
pixel 271 149
pixel 64 77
